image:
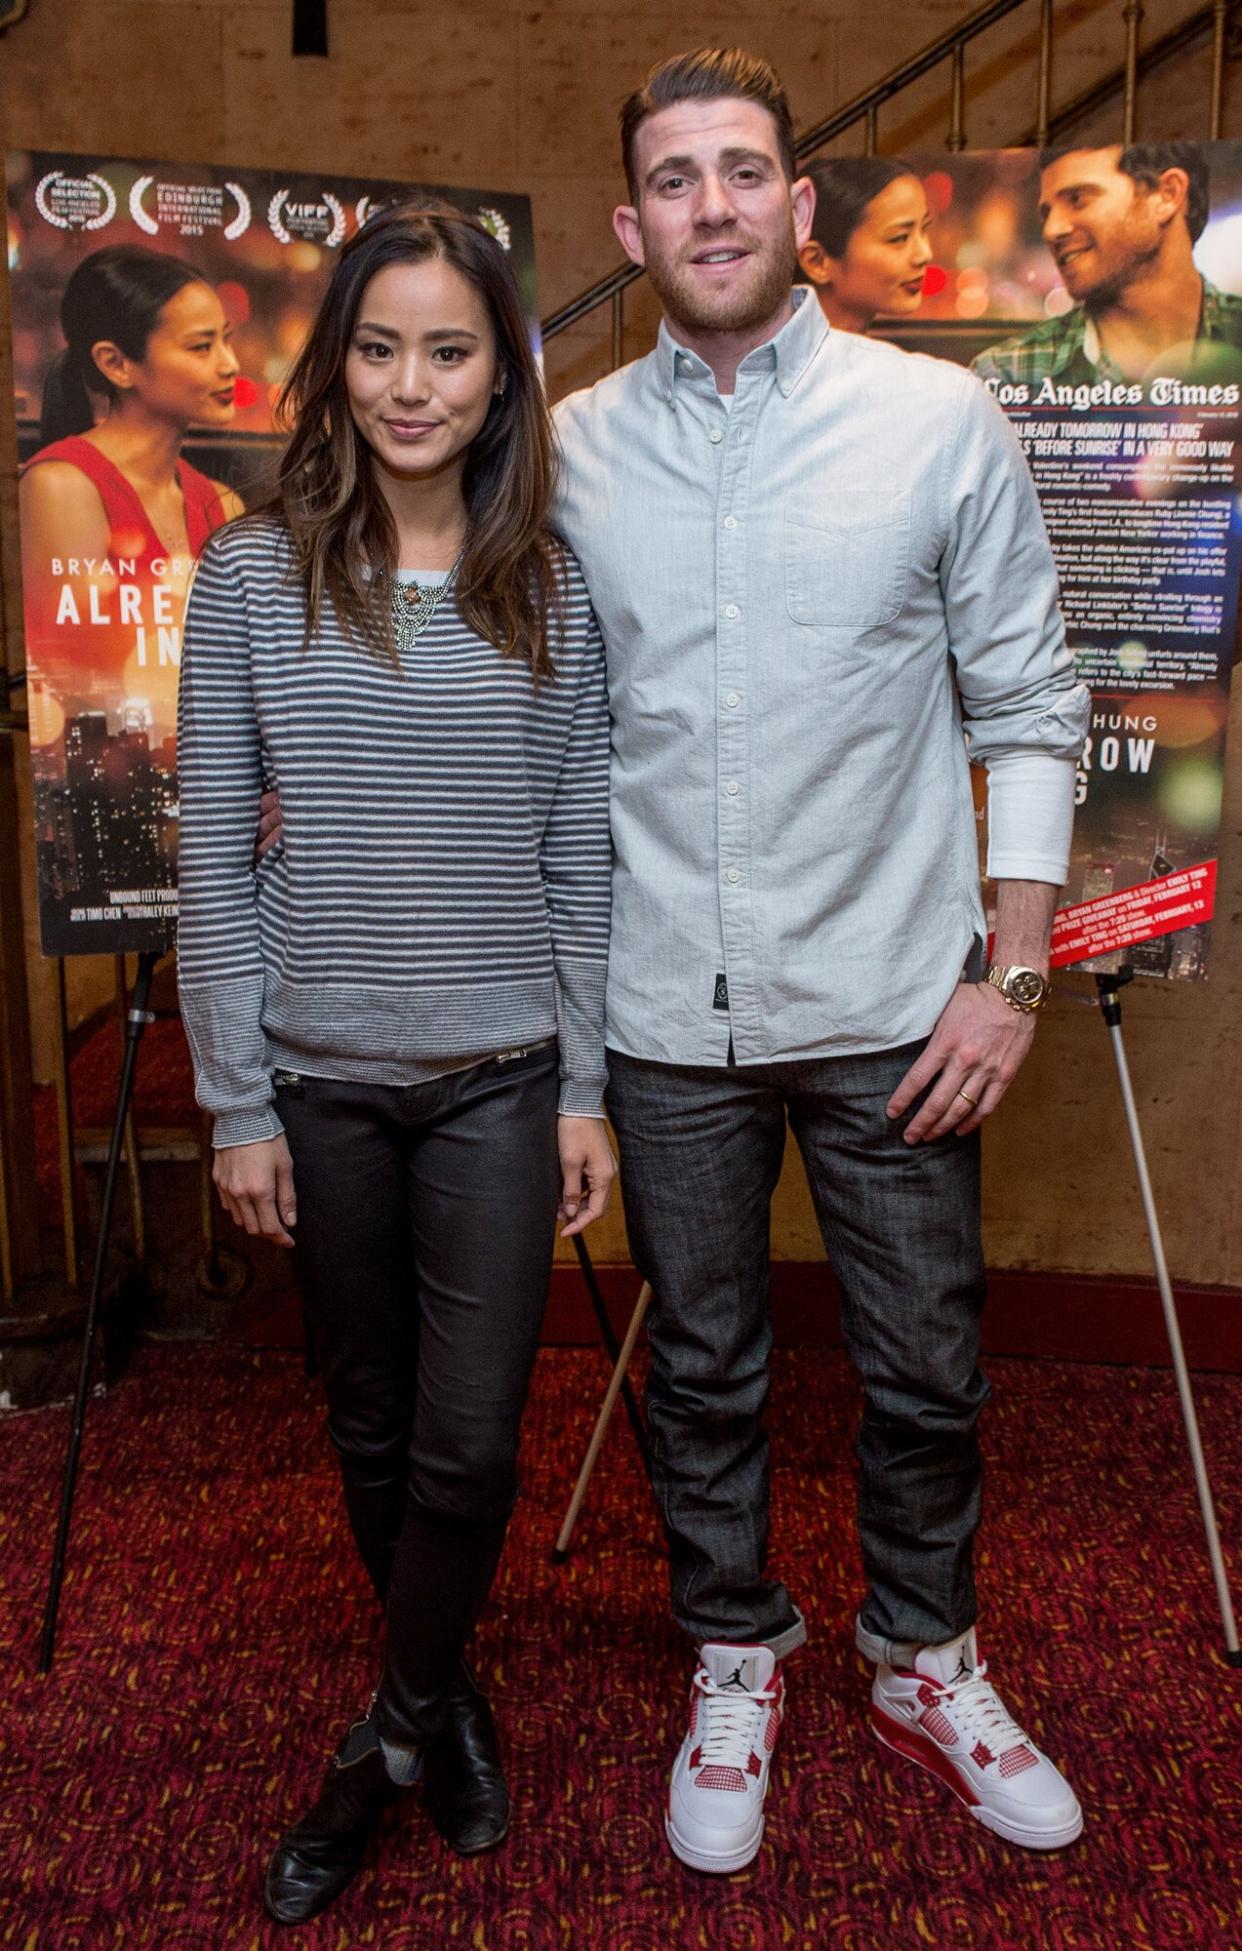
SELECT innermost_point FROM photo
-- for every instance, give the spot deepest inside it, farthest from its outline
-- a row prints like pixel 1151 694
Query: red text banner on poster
pixel 1137 914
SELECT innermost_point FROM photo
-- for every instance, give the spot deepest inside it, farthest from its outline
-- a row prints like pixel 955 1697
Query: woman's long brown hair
pixel 326 495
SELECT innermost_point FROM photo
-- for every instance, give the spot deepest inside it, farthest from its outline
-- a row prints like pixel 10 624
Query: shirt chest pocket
pixel 846 564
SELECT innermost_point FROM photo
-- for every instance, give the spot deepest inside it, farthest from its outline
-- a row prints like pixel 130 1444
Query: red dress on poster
pixel 103 630
pixel 128 520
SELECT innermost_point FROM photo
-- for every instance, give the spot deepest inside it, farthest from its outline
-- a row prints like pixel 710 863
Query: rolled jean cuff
pixel 782 1643
pixel 794 1636
pixel 893 1652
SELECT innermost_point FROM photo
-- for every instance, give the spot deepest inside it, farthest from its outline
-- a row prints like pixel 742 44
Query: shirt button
pixel 732 700
pixel 732 787
pixel 733 876
pixel 715 436
pixel 731 609
pixel 730 521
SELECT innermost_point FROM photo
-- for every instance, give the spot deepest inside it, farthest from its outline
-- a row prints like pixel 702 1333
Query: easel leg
pixel 611 1343
pixel 1110 1004
pixel 138 1218
pixel 64 1131
pixel 138 1018
pixel 620 1369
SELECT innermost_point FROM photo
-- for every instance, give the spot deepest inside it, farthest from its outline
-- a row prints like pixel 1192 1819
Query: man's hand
pixel 974 1052
pixel 269 832
pixel 588 1169
pixel 979 1041
pixel 255 1183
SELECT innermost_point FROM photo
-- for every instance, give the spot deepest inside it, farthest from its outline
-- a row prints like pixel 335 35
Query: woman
pixel 869 247
pixel 147 356
pixel 379 1010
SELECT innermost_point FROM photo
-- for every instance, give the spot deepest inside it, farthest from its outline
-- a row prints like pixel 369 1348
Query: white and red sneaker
pixel 720 1777
pixel 946 1715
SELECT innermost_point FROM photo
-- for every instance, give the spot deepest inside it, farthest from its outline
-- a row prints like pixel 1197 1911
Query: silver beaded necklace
pixel 412 605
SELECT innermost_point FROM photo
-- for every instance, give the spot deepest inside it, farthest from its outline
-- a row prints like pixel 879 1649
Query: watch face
pixel 1026 986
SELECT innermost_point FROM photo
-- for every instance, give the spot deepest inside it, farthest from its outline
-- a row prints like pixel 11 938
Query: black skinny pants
pixel 424 1244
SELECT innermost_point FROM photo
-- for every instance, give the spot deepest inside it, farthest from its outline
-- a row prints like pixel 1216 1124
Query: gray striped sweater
pixel 442 885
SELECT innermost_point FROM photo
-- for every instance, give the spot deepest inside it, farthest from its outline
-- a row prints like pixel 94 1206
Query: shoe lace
pixel 730 1724
pixel 981 1712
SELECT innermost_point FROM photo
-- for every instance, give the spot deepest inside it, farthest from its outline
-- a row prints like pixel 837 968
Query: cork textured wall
pixel 521 96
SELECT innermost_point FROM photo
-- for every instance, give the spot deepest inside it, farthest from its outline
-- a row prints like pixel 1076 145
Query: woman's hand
pixel 255 1183
pixel 588 1169
pixel 270 832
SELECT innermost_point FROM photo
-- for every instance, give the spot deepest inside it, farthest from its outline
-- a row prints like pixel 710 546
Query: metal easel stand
pixel 618 1385
pixel 1109 987
pixel 137 1018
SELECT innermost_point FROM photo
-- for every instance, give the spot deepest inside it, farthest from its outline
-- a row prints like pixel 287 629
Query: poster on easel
pixel 156 309
pixel 1097 293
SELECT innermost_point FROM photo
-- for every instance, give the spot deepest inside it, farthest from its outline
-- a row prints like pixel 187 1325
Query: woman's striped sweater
pixel 442 885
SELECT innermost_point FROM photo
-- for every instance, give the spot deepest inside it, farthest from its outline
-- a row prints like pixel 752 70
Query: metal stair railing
pixel 1213 19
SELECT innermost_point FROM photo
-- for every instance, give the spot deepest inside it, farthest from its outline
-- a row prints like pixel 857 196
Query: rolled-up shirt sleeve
pixel 1022 707
pixel 1030 816
pixel 219 965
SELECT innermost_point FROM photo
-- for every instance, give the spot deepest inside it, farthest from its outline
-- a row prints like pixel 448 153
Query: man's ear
pixel 815 261
pixel 629 231
pixel 1172 193
pixel 802 197
pixel 113 364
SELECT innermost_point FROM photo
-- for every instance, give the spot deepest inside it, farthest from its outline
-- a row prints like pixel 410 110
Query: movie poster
pixel 1102 305
pixel 184 346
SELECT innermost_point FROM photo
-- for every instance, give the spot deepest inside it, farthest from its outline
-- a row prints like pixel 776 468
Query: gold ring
pixel 969 1099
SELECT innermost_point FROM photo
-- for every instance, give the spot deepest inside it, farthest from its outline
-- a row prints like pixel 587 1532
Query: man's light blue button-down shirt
pixel 805 595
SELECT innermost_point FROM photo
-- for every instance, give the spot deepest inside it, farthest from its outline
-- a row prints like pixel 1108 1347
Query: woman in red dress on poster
pixel 147 356
pixel 108 499
pixel 870 248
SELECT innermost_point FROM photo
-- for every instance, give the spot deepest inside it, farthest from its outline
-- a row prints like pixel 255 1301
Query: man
pixel 1122 225
pixel 814 559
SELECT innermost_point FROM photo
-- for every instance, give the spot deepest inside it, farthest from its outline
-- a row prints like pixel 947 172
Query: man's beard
pixel 755 300
pixel 1113 277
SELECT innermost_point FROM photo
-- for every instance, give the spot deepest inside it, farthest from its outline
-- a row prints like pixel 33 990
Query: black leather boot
pixel 323 1852
pixel 467 1798
pixel 442 1572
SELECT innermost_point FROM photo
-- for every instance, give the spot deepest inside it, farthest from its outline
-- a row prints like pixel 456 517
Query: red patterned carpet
pixel 216 1639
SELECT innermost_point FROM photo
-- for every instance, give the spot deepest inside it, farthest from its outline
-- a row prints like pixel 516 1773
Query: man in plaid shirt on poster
pixel 1122 224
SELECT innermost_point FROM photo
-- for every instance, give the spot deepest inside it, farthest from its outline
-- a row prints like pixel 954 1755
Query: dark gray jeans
pixel 701 1151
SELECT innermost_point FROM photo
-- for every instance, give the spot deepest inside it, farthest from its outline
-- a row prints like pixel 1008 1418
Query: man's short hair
pixel 707 74
pixel 1146 162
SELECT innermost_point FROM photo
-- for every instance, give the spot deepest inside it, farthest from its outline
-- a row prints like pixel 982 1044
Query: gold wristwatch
pixel 1023 989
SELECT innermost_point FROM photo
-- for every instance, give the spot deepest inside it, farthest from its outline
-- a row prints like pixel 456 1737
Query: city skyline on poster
pixel 244 255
